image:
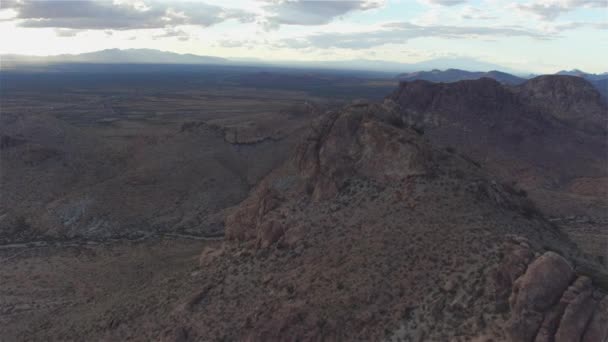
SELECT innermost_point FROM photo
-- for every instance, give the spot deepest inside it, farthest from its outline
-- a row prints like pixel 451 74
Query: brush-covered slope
pixel 371 233
pixel 59 181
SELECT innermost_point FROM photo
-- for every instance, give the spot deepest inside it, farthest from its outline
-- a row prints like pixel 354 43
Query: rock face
pixel 549 302
pixel 371 233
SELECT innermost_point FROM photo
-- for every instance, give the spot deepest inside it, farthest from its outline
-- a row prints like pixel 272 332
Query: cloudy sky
pixel 532 35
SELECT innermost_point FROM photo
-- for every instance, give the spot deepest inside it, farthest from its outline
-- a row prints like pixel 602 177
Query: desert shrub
pixel 512 189
pixel 530 210
pixel 418 129
pixel 470 160
pixel 21 223
pixel 396 121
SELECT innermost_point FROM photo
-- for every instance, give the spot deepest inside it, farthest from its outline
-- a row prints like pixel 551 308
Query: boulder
pixel 536 292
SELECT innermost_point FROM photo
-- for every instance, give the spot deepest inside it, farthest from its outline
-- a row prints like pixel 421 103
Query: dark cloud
pixel 102 14
pixel 303 12
pixel 553 9
pixel 398 33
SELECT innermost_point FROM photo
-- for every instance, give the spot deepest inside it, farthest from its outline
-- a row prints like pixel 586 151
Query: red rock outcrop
pixel 549 302
pixel 341 146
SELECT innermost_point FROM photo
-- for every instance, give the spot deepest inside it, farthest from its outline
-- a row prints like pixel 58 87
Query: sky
pixel 534 35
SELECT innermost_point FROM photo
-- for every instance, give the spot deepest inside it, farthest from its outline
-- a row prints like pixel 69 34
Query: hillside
pixel 94 171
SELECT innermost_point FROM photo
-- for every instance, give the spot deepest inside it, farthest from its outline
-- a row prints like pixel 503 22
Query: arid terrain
pixel 287 206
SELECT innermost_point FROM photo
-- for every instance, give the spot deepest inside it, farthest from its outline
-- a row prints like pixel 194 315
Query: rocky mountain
pixel 371 233
pixel 548 135
pixel 454 75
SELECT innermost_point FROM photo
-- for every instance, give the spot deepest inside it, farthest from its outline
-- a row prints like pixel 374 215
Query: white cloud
pixel 445 2
pixel 473 13
pixel 399 33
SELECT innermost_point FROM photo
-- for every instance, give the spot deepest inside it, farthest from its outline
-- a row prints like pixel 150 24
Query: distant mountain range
pixel 447 69
pixel 585 75
pixel 149 56
pixel 599 81
pixel 454 75
pixel 117 56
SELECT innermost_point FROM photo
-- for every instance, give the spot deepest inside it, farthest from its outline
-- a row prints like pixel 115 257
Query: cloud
pixel 551 9
pixel 67 32
pixel 399 33
pixel 173 33
pixel 303 12
pixel 560 27
pixel 472 13
pixel 104 15
pixel 235 43
pixel 445 2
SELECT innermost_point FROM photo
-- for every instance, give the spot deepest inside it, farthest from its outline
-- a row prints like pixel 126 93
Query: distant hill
pixel 585 75
pixel 115 56
pixel 454 75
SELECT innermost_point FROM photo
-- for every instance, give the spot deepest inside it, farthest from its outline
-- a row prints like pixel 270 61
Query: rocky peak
pixel 356 142
pixel 359 141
